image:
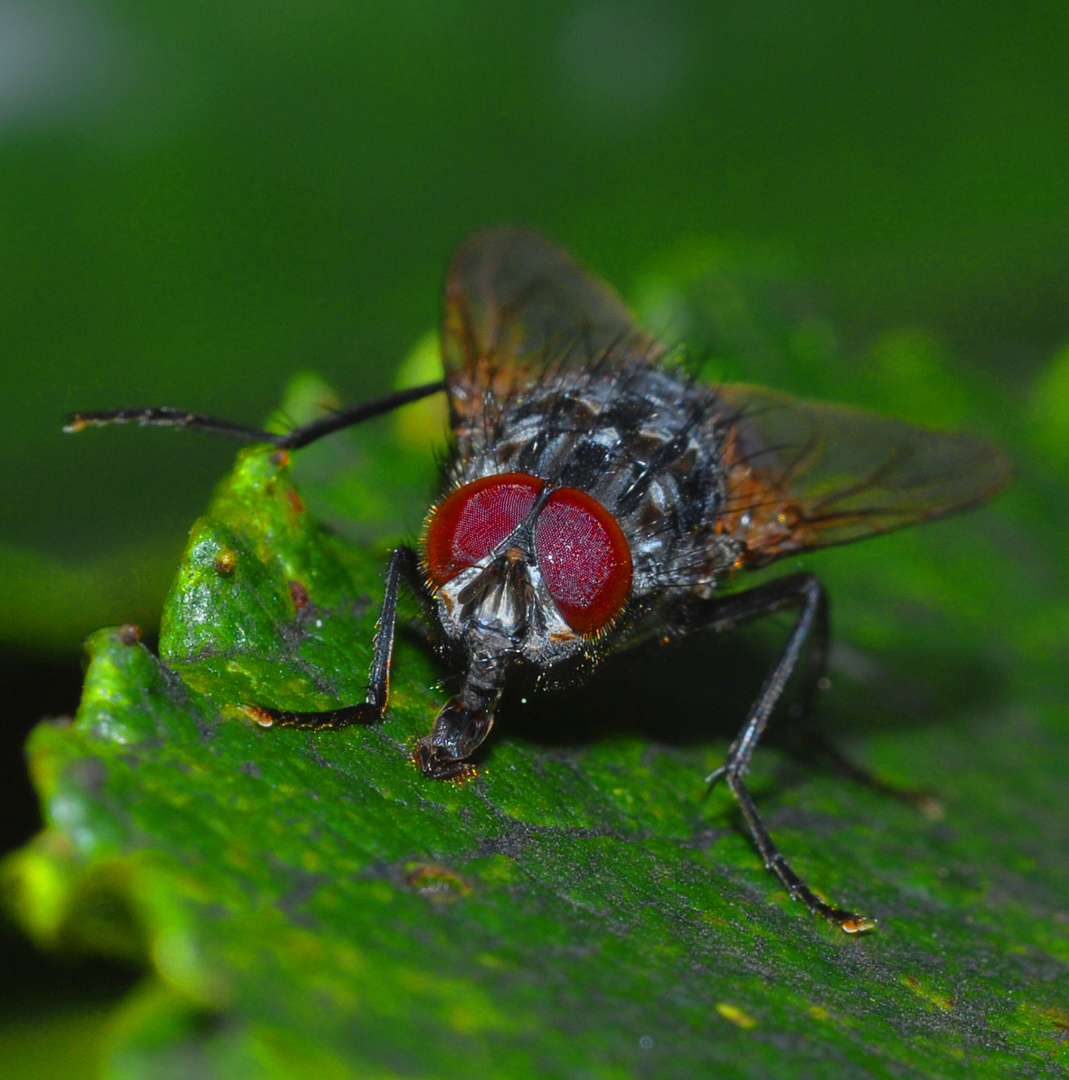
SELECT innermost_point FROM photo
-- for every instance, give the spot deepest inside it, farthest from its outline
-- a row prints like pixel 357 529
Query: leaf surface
pixel 309 904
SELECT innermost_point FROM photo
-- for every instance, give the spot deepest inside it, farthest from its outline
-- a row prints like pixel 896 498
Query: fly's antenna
pixel 164 416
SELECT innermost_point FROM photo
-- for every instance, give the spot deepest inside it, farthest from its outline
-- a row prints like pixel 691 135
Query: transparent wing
pixel 801 474
pixel 828 474
pixel 515 304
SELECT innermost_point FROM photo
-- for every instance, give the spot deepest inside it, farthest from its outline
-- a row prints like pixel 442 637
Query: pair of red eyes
pixel 582 553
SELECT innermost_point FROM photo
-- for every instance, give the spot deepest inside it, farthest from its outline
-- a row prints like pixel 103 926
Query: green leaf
pixel 310 905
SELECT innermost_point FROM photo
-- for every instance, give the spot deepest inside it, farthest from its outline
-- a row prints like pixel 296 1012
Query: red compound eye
pixel 474 519
pixel 584 559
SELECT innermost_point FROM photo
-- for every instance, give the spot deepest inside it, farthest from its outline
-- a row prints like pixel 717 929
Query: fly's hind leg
pixel 805 592
pixel 818 746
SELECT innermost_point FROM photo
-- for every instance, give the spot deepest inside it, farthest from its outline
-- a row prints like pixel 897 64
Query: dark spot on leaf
pixel 302 890
pixel 1060 1019
pixel 299 595
pixel 89 774
pixel 358 608
pixel 250 768
pixel 317 757
pixel 129 634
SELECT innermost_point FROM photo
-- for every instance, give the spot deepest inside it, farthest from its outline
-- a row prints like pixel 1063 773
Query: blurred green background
pixel 199 199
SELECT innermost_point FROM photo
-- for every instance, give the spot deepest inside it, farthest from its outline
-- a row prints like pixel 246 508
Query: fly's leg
pixel 817 744
pixel 820 747
pixel 802 591
pixel 404 565
pixel 165 416
pixel 797 590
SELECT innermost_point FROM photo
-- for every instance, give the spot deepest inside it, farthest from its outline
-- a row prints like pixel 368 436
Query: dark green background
pixel 197 200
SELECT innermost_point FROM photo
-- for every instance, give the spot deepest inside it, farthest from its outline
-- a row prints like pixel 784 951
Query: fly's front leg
pixel 802 591
pixel 404 565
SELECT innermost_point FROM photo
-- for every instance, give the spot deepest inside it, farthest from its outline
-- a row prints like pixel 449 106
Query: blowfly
pixel 595 494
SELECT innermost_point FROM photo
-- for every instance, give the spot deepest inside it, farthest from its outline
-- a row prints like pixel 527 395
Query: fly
pixel 595 494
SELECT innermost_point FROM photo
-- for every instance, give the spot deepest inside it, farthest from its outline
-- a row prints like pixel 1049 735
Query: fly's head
pixel 523 572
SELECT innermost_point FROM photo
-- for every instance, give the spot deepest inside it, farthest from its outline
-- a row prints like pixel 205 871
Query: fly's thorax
pixel 644 442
